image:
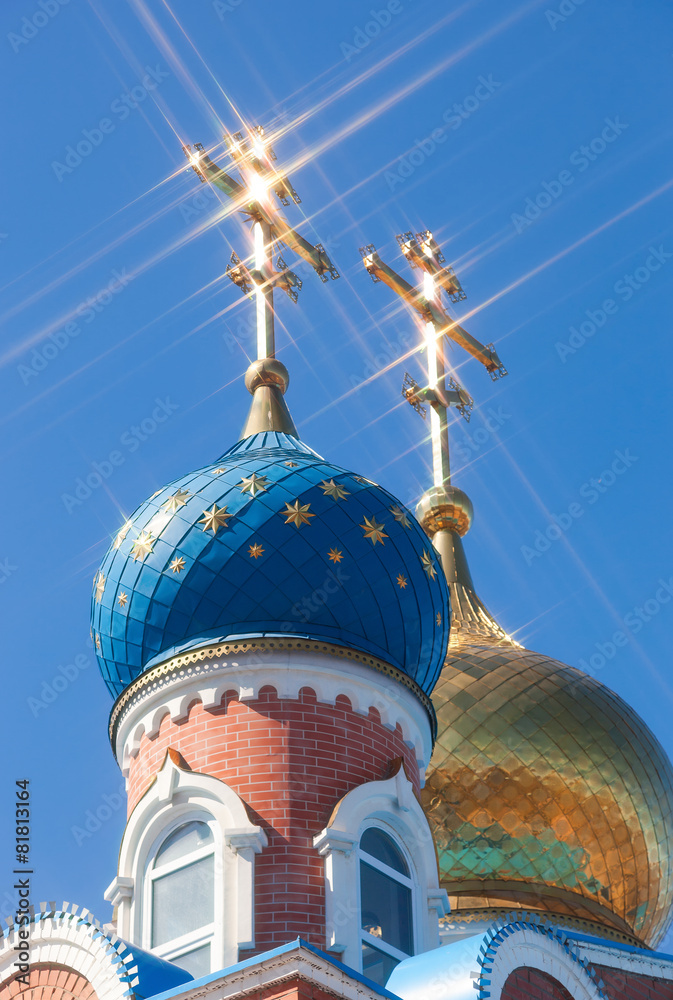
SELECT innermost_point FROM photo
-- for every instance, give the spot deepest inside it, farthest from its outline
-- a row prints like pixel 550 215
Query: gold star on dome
pixel 122 600
pixel 401 581
pixel 428 565
pixel 253 484
pixel 401 516
pixel 335 555
pixel 439 618
pixel 292 465
pixel 297 513
pixel 97 642
pixel 122 533
pixel 333 490
pixel 155 494
pixel 178 500
pixel 374 531
pixel 142 546
pixel 218 472
pixel 100 587
pixel 177 565
pixel 365 482
pixel 255 551
pixel 214 518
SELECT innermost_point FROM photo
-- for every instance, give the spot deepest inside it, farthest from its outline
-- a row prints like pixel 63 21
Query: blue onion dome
pixel 270 540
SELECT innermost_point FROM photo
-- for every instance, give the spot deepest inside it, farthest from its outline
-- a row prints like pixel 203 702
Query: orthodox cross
pixel 423 253
pixel 252 155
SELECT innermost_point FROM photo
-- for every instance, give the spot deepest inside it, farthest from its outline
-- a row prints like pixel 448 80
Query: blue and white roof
pixel 270 540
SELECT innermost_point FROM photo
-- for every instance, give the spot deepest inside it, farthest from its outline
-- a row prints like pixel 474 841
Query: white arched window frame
pixel 194 948
pixel 392 806
pixel 176 797
pixel 403 941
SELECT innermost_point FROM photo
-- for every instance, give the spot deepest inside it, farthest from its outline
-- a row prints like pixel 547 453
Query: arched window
pixel 386 905
pixel 182 897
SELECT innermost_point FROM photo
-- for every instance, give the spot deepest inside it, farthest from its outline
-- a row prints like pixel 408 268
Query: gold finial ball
pixel 267 371
pixel 445 509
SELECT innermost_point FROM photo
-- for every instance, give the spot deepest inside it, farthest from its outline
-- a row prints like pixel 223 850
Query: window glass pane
pixel 196 963
pixel 381 847
pixel 182 901
pixel 182 841
pixel 386 908
pixel 376 965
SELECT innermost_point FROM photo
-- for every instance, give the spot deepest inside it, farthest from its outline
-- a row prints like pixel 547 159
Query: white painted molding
pixel 176 796
pixel 637 962
pixel 532 947
pixel 329 841
pixel 288 671
pixel 298 962
pixel 477 967
pixel 78 943
pixel 119 890
pixel 392 806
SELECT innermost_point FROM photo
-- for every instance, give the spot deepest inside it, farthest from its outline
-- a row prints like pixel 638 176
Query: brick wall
pixel 530 984
pixel 50 982
pixel 629 986
pixel 290 761
pixel 293 989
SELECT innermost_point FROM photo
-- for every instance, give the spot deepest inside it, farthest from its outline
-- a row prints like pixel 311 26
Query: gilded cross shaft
pixel 256 194
pixel 423 253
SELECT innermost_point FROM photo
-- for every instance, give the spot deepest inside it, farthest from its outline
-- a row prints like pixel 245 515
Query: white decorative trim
pixel 392 806
pixel 532 950
pixel 287 671
pixel 60 937
pixel 120 890
pixel 527 941
pixel 176 796
pixel 300 963
pixel 639 963
pixel 477 967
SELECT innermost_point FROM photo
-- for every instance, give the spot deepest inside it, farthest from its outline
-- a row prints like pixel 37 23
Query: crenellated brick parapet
pixel 290 733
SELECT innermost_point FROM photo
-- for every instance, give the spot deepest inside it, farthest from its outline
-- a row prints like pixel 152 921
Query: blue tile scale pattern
pixel 169 583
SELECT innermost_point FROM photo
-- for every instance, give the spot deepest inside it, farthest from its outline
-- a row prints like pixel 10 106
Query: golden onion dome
pixel 545 790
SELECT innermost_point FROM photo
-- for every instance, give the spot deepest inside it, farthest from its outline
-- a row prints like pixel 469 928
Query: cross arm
pixel 423 252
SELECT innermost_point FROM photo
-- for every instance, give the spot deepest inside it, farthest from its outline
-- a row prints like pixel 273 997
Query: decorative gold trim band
pixel 595 927
pixel 516 893
pixel 178 663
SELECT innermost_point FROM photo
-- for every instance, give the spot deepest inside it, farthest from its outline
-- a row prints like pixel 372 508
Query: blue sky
pixel 455 117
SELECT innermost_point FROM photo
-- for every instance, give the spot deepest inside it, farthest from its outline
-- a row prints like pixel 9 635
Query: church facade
pixel 344 778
